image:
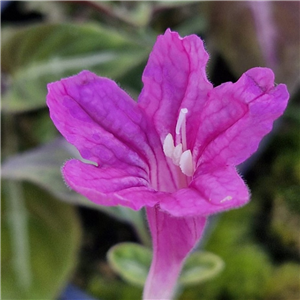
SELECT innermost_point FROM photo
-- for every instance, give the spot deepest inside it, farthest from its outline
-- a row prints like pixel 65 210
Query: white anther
pixel 186 163
pixel 180 155
pixel 168 145
pixel 177 154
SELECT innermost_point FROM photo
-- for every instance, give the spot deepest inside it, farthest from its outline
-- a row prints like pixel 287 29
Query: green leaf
pixel 132 262
pixel 40 242
pixel 44 53
pixel 42 165
pixel 199 267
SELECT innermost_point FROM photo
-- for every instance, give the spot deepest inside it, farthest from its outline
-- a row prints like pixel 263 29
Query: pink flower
pixel 174 151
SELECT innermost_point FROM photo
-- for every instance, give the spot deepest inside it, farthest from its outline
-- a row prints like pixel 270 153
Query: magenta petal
pixel 107 126
pixel 173 239
pixel 237 116
pixel 175 78
pixel 108 186
pixel 102 121
pixel 210 192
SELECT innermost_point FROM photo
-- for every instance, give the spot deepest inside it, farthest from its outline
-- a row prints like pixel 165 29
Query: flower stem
pixel 173 239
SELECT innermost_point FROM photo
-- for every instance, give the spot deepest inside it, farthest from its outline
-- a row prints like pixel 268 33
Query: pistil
pixel 181 128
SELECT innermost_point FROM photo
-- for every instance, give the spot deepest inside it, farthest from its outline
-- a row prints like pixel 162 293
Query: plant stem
pixel 142 231
pixel 136 219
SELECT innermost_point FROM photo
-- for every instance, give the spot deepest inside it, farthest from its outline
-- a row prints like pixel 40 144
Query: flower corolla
pixel 174 151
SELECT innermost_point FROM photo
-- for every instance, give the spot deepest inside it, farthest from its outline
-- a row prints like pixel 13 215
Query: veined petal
pixel 237 116
pixel 109 186
pixel 101 120
pixel 175 78
pixel 210 192
pixel 173 239
pixel 105 124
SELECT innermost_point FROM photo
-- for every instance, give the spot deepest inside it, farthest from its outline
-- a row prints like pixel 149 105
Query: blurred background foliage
pixel 52 237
